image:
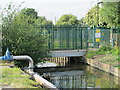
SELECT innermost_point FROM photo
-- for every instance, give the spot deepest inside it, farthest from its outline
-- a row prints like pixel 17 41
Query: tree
pixel 91 17
pixel 67 19
pixel 29 12
pixel 43 21
pixel 82 22
pixel 23 38
pixel 110 13
pixel 35 19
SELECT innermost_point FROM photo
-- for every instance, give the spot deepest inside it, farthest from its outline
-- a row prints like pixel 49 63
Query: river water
pixel 79 76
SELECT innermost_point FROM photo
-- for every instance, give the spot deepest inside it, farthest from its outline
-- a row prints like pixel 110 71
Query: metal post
pixel 93 33
pixel 98 14
pixel 81 39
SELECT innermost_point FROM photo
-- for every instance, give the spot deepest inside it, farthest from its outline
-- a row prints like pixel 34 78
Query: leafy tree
pixel 82 22
pixel 43 21
pixel 39 20
pixel 21 37
pixel 29 12
pixel 67 19
pixel 91 18
pixel 109 13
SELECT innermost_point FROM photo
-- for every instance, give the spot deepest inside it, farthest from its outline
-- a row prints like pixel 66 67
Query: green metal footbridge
pixel 72 40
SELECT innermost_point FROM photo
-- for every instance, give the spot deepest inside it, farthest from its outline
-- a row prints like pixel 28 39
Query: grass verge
pixel 6 63
pixel 16 78
pixel 106 55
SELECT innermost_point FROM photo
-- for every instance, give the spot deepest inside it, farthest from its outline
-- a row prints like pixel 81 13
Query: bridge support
pixel 62 61
pixel 68 56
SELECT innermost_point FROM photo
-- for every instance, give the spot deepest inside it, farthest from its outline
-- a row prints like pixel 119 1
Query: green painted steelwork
pixel 73 37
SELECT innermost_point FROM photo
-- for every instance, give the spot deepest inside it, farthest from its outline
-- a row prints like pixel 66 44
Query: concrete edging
pixel 103 66
pixel 43 82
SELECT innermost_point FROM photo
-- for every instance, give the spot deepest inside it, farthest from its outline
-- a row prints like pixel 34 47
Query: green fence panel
pixel 73 37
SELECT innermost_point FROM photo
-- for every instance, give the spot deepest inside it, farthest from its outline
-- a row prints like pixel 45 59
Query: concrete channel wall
pixel 105 67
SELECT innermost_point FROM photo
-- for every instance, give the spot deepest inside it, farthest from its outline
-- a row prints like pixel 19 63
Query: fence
pixel 72 37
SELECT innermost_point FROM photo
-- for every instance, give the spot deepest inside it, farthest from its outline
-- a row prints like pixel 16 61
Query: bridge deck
pixel 68 53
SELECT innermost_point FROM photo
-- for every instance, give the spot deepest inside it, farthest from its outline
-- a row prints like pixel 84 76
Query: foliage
pixel 91 18
pixel 118 59
pixel 34 19
pixel 16 78
pixel 103 50
pixel 108 15
pixel 22 37
pixel 43 21
pixel 5 62
pixel 82 22
pixel 67 19
pixel 90 54
pixel 30 12
pixel 114 51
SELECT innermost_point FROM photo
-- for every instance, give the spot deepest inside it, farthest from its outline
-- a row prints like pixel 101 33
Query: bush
pixel 101 51
pixel 105 48
pixel 114 51
pixel 118 59
pixel 90 54
pixel 22 36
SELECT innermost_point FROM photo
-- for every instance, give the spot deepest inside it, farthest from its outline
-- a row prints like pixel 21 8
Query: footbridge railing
pixel 75 37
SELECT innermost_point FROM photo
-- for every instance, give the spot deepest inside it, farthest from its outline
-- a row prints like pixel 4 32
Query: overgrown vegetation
pixel 15 78
pixel 22 35
pixel 110 55
pixel 68 19
pixel 106 19
pixel 5 63
pixel 104 49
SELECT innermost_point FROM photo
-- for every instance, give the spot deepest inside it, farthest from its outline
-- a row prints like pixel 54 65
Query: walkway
pixel 68 53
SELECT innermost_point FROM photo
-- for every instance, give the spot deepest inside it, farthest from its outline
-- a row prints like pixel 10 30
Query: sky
pixel 52 9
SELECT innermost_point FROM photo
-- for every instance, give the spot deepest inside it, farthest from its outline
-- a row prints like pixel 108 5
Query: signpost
pixel 98 36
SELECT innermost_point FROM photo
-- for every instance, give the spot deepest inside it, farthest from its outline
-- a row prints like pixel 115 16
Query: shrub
pixel 114 51
pixel 101 51
pixel 118 59
pixel 105 48
pixel 23 37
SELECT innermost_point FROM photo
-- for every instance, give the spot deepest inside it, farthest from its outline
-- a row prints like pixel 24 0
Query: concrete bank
pixel 103 66
pixel 43 82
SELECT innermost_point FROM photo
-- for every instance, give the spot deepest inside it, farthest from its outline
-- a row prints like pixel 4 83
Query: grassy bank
pixel 15 77
pixel 105 54
pixel 6 63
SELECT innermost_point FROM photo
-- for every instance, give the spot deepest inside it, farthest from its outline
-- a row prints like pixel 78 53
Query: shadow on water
pixel 79 75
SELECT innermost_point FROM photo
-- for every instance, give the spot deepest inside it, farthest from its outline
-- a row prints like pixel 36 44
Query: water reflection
pixel 79 76
pixel 71 79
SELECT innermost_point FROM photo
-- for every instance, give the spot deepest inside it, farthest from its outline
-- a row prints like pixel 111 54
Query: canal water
pixel 78 75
